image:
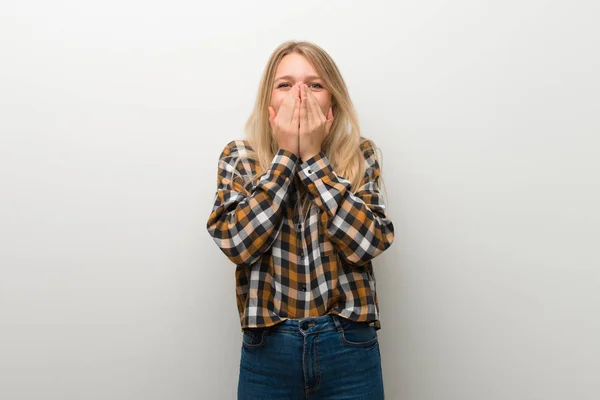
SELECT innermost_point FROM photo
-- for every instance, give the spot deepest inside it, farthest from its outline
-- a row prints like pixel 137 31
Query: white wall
pixel 112 117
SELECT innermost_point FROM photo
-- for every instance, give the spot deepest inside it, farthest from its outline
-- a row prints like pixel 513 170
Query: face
pixel 295 68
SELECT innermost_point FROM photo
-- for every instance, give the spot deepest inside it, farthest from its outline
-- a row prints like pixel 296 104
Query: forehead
pixel 295 65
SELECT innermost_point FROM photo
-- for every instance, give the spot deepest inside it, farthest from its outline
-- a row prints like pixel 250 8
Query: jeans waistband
pixel 309 324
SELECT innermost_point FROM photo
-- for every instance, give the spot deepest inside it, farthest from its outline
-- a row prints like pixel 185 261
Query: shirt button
pixel 309 171
pixel 304 288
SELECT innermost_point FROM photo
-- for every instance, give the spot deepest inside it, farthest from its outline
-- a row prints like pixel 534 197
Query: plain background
pixel 112 118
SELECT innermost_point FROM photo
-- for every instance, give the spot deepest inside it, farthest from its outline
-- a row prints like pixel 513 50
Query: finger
pixel 316 113
pixel 304 111
pixel 296 114
pixel 310 100
pixel 295 92
pixel 292 98
pixel 292 94
pixel 286 109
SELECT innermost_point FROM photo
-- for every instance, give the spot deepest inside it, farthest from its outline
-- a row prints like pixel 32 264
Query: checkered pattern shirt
pixel 288 270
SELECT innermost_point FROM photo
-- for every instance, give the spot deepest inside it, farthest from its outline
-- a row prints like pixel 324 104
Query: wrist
pixel 308 156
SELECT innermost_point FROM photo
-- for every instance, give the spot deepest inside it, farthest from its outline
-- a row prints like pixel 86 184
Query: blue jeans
pixel 327 357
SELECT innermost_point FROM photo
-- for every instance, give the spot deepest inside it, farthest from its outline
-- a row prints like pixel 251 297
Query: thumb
pixel 329 119
pixel 272 115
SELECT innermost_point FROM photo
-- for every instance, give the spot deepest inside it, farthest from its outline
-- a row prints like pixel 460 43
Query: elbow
pixel 241 256
pixel 360 257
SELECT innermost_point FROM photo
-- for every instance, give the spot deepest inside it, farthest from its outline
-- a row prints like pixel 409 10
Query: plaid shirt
pixel 286 270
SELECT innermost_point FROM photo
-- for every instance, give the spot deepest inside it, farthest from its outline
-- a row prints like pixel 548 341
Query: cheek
pixel 276 99
pixel 324 100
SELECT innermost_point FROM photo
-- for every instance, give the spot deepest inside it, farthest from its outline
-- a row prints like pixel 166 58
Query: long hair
pixel 341 145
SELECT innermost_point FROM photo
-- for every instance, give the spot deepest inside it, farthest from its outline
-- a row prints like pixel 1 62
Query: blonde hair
pixel 341 145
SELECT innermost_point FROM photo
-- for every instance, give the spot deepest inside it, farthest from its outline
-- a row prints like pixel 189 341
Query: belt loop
pixel 338 325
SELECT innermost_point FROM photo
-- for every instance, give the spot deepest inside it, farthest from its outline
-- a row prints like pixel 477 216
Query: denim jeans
pixel 327 357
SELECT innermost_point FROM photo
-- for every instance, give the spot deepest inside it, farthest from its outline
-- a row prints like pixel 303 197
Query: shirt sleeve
pixel 357 223
pixel 245 226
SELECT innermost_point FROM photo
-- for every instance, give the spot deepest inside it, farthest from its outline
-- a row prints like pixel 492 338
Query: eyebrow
pixel 292 78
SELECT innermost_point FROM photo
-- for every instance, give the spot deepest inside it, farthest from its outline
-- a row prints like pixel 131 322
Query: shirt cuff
pixel 285 163
pixel 315 168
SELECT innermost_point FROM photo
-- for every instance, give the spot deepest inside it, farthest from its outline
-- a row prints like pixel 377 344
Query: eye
pixel 319 86
pixel 282 84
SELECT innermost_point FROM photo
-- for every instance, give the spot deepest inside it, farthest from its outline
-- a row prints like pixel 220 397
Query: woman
pixel 299 211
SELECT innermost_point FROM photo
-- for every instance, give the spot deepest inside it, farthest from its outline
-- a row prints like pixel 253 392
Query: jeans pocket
pixel 253 337
pixel 358 334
